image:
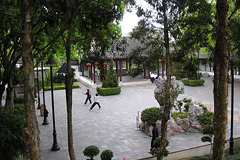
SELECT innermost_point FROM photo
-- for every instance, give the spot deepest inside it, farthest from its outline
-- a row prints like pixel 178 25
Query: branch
pixel 51 42
pixel 233 13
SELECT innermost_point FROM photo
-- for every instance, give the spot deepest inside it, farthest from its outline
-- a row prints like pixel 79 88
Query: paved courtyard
pixel 113 126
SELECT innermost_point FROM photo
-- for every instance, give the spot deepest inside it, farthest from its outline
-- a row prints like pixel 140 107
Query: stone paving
pixel 114 125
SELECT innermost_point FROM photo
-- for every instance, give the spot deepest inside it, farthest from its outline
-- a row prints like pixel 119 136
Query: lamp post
pixel 55 146
pixel 232 57
pixel 38 89
pixel 45 121
pixel 36 57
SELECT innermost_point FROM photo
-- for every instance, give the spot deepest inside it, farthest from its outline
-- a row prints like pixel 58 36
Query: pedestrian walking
pixel 88 93
pixel 154 134
pixel 96 101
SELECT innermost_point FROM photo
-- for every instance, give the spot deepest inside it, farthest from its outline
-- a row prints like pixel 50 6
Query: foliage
pixel 134 72
pixel 193 83
pixel 60 86
pixel 91 151
pixel 12 139
pixel 156 144
pixel 149 48
pixel 208 129
pixel 186 106
pixel 111 78
pixel 181 115
pixel 205 118
pixel 150 115
pixel 19 99
pixel 108 91
pixel 227 156
pixel 175 91
pixel 106 155
pixel 206 139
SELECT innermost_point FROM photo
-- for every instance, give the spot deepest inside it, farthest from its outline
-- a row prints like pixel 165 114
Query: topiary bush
pixel 197 82
pixel 150 115
pixel 206 117
pixel 12 142
pixel 156 144
pixel 91 151
pixel 106 155
pixel 111 78
pixel 108 91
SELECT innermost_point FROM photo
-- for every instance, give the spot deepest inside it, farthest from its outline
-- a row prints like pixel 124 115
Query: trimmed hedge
pixel 150 115
pixel 62 86
pixel 108 91
pixel 198 82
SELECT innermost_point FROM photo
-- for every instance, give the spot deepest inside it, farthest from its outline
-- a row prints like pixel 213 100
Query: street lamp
pixel 38 89
pixel 55 146
pixel 45 121
pixel 36 57
pixel 232 58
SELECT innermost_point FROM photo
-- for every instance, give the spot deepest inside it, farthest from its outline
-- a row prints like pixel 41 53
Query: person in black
pixel 88 93
pixel 154 134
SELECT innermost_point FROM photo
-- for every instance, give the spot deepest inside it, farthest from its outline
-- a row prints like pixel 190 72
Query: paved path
pixel 113 126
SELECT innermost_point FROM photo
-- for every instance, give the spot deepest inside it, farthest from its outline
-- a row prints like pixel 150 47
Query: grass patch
pixel 60 86
pixel 226 156
pixel 181 115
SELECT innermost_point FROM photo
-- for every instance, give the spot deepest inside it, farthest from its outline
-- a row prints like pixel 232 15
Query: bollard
pixel 42 110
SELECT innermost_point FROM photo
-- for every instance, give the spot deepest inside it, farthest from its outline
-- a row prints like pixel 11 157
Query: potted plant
pixel 91 151
pixel 106 155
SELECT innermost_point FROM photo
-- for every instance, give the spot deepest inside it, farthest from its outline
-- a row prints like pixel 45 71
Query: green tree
pixel 163 13
pixel 32 131
pixel 10 48
pixel 221 64
pixel 88 23
pixel 150 48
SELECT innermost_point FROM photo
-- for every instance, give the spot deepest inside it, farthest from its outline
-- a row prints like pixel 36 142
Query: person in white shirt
pixel 96 101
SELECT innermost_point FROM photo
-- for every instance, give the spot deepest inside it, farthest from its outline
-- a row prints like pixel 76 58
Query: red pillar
pixel 144 73
pixel 162 69
pixel 149 74
pixel 82 68
pixel 117 68
pixel 120 66
pixel 91 73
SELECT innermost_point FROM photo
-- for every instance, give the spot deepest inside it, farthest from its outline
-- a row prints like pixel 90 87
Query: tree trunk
pixel 166 112
pixel 2 89
pixel 69 84
pixel 32 131
pixel 9 98
pixel 221 65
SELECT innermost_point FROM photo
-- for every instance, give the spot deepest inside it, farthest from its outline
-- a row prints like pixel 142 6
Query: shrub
pixel 106 155
pixel 111 79
pixel 19 99
pixel 186 106
pixel 150 115
pixel 189 82
pixel 108 91
pixel 156 144
pixel 91 151
pixel 12 142
pixel 205 118
pixel 181 115
pixel 206 139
